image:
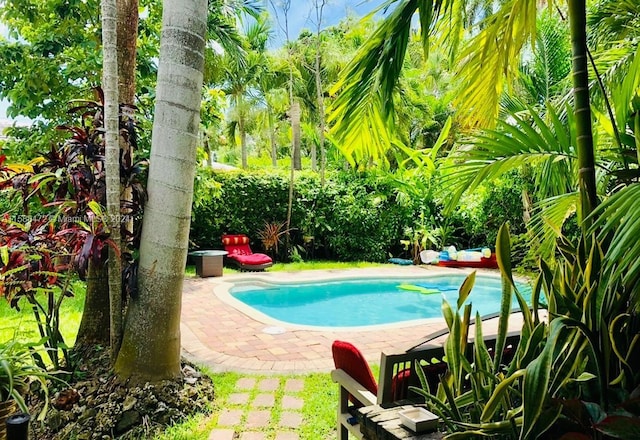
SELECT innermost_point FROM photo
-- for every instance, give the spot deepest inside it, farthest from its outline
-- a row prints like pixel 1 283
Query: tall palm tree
pixel 150 348
pixel 112 165
pixel 242 74
pixel 272 82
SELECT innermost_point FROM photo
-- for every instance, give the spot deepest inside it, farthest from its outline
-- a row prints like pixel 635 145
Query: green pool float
pixel 420 289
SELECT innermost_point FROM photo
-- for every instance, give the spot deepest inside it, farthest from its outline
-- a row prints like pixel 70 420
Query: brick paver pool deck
pixel 225 338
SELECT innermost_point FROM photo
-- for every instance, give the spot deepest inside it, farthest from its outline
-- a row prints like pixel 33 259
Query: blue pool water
pixel 362 302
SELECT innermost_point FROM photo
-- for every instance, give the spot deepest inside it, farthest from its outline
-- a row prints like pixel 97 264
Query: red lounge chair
pixel 241 254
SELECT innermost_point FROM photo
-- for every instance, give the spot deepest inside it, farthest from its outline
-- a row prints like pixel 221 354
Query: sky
pixel 301 16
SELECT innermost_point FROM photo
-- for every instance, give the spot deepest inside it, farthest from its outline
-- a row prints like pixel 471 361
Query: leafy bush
pixel 348 219
pixel 570 376
pixel 502 203
pixel 354 216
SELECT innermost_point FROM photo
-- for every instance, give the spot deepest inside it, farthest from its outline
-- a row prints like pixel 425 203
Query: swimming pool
pixel 365 302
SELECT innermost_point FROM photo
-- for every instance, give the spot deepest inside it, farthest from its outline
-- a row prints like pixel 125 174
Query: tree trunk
pixel 243 141
pixel 127 43
pixel 295 128
pixel 272 138
pixel 151 346
pixel 112 167
pixel 127 16
pixel 584 136
pixel 319 6
pixel 321 129
pixel 94 327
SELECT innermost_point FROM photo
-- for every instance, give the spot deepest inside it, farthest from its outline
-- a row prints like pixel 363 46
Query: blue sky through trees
pixel 301 16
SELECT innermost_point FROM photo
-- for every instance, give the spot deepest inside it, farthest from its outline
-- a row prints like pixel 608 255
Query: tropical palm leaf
pixel 614 36
pixel 618 220
pixel 545 74
pixel 526 140
pixel 360 115
pixel 490 60
pixel 548 217
pixel 613 20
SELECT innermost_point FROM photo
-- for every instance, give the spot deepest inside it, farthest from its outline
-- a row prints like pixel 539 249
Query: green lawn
pixel 22 324
pixel 320 397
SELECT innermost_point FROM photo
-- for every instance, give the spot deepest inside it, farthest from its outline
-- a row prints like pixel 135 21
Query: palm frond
pixel 525 140
pixel 226 35
pixel 546 73
pixel 490 60
pixel 360 115
pixel 613 20
pixel 547 219
pixel 623 91
pixel 618 219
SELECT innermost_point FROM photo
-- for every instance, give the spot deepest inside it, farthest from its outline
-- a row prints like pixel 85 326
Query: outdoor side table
pixel 383 423
pixel 208 263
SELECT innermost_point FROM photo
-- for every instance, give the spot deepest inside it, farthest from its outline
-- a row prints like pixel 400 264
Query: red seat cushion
pixel 400 385
pixel 251 259
pixel 348 358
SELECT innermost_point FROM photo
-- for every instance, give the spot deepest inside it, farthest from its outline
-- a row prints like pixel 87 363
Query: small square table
pixel 208 263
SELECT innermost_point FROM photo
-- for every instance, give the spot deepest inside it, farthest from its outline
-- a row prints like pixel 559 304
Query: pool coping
pixel 225 338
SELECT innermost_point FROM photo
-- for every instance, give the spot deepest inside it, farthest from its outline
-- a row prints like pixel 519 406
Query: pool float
pixel 432 287
pixel 415 288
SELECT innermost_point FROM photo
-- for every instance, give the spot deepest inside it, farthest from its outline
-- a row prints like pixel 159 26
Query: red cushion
pixel 238 249
pixel 400 385
pixel 348 358
pixel 251 259
pixel 229 239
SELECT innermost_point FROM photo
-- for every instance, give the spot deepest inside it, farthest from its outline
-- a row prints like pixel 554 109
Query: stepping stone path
pixel 261 409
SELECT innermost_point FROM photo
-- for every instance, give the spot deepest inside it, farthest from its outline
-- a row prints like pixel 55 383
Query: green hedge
pixel 349 219
pixel 352 217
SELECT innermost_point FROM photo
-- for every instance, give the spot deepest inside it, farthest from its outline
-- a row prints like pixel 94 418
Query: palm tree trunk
pixel 243 141
pixel 319 7
pixel 321 129
pixel 295 128
pixel 584 136
pixel 272 138
pixel 112 167
pixel 127 43
pixel 95 323
pixel 151 345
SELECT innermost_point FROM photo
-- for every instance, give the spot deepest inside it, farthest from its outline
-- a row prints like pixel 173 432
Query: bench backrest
pixel 397 371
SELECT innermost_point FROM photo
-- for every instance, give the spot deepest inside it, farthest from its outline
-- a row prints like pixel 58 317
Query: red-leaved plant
pixel 62 226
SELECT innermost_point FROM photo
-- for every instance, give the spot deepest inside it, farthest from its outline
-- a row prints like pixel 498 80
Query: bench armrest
pixel 354 388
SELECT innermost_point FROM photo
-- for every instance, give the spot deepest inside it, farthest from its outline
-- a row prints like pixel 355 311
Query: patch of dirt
pixel 97 406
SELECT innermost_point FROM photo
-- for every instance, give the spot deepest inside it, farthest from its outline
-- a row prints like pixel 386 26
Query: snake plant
pixel 579 357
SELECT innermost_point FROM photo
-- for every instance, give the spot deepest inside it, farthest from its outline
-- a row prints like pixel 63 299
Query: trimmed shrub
pixel 348 219
pixel 352 217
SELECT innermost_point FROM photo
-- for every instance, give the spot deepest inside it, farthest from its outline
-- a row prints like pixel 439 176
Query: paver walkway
pixel 273 410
